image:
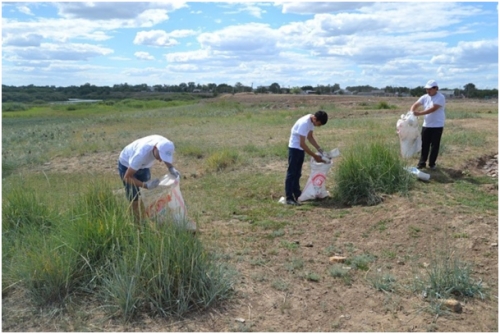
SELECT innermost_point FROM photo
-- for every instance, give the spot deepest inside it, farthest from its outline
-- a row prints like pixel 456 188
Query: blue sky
pixel 254 43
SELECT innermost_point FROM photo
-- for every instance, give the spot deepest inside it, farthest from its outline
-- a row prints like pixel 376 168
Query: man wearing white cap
pixel 135 162
pixel 433 104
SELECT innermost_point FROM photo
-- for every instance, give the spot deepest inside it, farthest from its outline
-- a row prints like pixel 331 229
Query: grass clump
pixel 367 171
pixel 94 247
pixel 221 160
pixel 165 270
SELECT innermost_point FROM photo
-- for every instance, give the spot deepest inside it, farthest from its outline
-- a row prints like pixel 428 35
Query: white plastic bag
pixel 315 186
pixel 166 201
pixel 409 135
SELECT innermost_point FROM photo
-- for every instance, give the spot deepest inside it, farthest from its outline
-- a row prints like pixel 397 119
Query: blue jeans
pixel 293 174
pixel 131 190
pixel 431 140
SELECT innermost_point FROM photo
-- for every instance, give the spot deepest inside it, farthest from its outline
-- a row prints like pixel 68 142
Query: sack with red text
pixel 315 187
pixel 165 203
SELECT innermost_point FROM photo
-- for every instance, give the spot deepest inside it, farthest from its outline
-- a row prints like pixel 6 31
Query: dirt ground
pixel 270 296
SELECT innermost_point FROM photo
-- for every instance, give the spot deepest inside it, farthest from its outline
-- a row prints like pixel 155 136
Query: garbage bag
pixel 165 203
pixel 409 135
pixel 316 184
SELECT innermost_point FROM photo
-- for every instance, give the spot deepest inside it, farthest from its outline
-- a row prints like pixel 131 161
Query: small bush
pixel 221 160
pixel 383 105
pixel 13 106
pixel 360 262
pixel 166 270
pixel 368 171
pixel 22 207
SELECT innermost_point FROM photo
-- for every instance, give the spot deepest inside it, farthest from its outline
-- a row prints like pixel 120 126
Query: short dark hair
pixel 321 116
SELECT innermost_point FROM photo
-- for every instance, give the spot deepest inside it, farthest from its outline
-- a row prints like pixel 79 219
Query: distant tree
pixel 470 90
pixel 238 87
pixel 261 89
pixel 296 90
pixel 275 88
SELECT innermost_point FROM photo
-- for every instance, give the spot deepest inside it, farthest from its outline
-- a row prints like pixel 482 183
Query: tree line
pixel 43 94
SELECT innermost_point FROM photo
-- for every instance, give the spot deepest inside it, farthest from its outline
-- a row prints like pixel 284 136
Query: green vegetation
pixel 68 239
pixel 95 248
pixel 369 170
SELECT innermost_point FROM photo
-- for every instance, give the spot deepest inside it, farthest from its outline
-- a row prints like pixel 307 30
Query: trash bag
pixel 165 203
pixel 315 186
pixel 409 135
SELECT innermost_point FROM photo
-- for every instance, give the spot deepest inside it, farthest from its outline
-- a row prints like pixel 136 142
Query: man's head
pixel 320 118
pixel 165 150
pixel 431 87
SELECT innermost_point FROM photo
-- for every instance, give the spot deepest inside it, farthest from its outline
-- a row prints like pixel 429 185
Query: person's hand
pixel 174 172
pixel 318 158
pixel 151 184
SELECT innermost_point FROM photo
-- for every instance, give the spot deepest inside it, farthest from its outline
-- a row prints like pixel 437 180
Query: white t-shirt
pixel 301 128
pixel 139 153
pixel 436 118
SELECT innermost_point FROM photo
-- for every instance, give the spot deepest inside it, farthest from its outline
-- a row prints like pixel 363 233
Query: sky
pixel 399 44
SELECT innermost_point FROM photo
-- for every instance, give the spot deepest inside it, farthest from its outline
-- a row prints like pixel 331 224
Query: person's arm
pixel 312 140
pixel 428 111
pixel 306 148
pixel 172 169
pixel 130 179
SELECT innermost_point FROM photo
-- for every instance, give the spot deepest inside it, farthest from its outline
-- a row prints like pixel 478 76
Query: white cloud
pixel 115 10
pixel 25 10
pixel 154 38
pixel 143 55
pixel 48 52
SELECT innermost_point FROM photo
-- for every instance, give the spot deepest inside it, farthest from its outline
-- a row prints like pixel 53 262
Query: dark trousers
pixel 293 174
pixel 431 139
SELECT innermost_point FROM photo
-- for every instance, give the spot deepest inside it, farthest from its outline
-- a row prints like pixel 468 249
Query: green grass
pixel 66 235
pixel 368 171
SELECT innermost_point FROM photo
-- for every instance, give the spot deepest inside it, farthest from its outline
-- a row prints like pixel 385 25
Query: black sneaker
pixel 292 202
pixel 421 166
pixel 433 167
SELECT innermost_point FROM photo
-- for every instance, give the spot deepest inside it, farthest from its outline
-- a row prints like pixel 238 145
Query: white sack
pixel 166 201
pixel 315 186
pixel 409 135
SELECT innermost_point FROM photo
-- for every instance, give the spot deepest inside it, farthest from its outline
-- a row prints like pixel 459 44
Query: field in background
pixel 231 152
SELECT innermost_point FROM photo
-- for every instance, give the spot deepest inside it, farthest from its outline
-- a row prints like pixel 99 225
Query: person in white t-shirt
pixel 297 147
pixel 433 104
pixel 135 162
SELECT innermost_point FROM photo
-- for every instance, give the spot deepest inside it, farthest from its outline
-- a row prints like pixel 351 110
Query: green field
pixel 62 217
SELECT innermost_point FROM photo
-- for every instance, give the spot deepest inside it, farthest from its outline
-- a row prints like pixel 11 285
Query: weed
pixel 368 171
pixel 360 262
pixel 313 277
pixel 221 160
pixel 280 285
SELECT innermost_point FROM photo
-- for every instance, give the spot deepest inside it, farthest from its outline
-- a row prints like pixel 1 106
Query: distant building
pixel 447 92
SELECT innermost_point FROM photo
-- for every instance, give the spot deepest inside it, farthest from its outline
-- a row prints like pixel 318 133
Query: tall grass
pixel 367 171
pixel 165 270
pixel 96 248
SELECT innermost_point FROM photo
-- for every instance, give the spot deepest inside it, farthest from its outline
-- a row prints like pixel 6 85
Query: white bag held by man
pixel 315 186
pixel 409 135
pixel 166 202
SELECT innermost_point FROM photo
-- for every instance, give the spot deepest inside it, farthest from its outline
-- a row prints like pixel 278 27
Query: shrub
pixel 13 106
pixel 166 270
pixel 221 160
pixel 22 207
pixel 367 171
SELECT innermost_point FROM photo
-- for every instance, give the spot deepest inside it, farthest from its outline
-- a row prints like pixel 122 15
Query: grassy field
pixel 405 254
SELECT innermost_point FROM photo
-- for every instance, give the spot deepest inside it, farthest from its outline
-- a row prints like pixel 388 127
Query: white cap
pixel 430 84
pixel 166 149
